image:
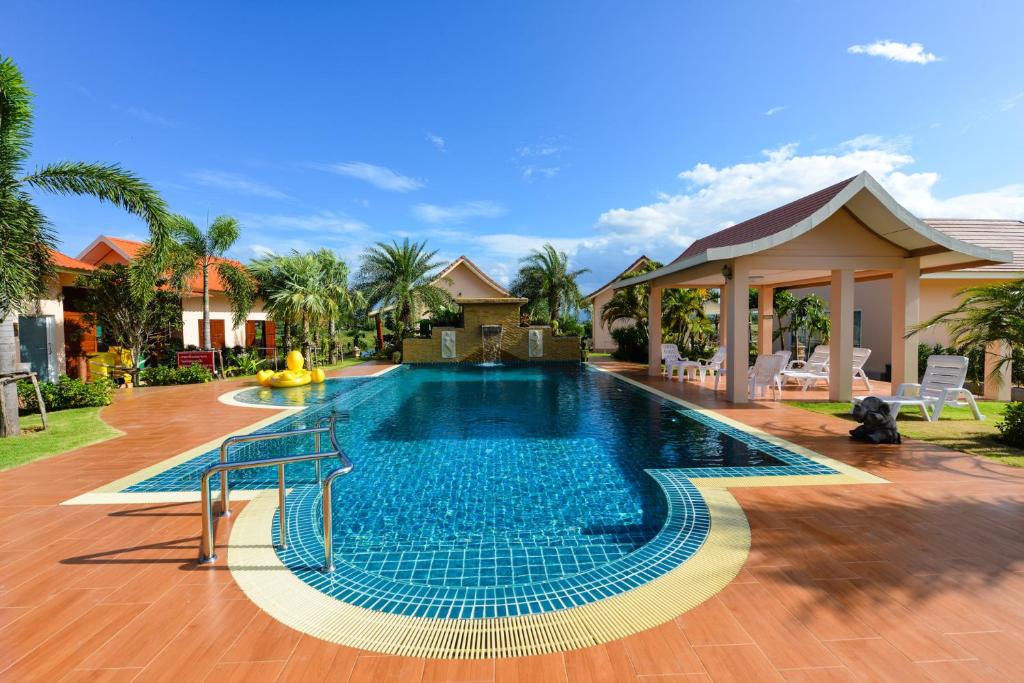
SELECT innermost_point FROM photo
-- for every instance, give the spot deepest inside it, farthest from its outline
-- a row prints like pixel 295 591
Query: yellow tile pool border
pixel 257 569
pixel 113 493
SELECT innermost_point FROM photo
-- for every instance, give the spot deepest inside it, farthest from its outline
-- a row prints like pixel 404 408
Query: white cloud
pixel 776 110
pixel 378 176
pixel 331 222
pixel 892 50
pixel 546 148
pixel 532 172
pixel 432 213
pixel 147 116
pixel 437 141
pixel 233 182
pixel 1011 102
pixel 540 160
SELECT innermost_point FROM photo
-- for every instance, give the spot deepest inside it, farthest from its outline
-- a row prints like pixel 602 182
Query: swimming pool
pixel 483 492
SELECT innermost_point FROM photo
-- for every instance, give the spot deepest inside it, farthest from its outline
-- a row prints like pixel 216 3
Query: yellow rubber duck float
pixel 294 376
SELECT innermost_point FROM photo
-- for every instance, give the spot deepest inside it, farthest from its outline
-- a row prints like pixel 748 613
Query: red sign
pixel 204 358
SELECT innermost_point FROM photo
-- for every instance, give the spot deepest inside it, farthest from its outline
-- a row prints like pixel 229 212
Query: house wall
pixel 466 284
pixel 873 298
pixel 220 309
pixel 603 342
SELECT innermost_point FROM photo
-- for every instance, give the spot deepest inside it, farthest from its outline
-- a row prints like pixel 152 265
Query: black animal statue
pixel 878 425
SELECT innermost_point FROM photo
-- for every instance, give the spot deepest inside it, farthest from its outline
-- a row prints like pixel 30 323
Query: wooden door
pixel 216 334
pixel 79 340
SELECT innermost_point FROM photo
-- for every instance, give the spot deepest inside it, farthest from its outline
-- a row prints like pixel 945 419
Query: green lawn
pixel 69 429
pixel 348 362
pixel 956 429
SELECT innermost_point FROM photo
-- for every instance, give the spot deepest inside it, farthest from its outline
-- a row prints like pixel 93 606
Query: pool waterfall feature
pixel 492 332
pixel 490 336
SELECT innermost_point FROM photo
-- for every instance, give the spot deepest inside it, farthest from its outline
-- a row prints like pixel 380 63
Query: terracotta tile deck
pixel 922 579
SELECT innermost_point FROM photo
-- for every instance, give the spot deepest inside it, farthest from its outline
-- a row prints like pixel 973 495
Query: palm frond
pixel 109 183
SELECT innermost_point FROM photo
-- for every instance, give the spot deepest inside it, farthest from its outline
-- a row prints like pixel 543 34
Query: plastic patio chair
pixel 673 360
pixel 942 385
pixel 766 374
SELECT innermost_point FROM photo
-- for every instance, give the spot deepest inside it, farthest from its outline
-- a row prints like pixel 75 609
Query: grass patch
pixel 956 429
pixel 69 429
pixel 348 362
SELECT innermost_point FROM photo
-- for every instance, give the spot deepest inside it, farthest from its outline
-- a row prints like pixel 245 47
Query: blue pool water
pixel 494 479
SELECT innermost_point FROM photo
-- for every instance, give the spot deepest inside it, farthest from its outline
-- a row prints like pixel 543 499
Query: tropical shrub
pixel 163 375
pixel 1012 426
pixel 245 363
pixel 568 326
pixel 632 343
pixel 64 394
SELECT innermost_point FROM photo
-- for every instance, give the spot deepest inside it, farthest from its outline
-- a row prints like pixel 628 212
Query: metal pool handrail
pixel 316 431
pixel 207 547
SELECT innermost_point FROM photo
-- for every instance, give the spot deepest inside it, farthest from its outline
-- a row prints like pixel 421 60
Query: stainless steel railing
pixel 207 547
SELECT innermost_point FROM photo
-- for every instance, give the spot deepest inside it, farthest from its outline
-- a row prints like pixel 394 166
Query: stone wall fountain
pixel 490 337
pixel 491 334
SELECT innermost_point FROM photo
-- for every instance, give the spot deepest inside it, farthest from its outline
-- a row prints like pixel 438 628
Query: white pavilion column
pixel 737 332
pixel 840 363
pixel 998 382
pixel 722 323
pixel 906 297
pixel 765 318
pixel 654 332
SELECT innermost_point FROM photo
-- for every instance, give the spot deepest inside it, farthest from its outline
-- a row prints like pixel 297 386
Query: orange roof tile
pixel 64 261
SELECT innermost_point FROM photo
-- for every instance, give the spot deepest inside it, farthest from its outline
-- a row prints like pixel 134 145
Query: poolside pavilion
pixel 851 231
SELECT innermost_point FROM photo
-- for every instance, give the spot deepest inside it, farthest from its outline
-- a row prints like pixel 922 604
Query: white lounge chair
pixel 674 361
pixel 766 374
pixel 817 364
pixel 809 378
pixel 942 385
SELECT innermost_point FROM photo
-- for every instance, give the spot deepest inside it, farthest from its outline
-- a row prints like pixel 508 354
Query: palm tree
pixel 810 316
pixel 546 274
pixel 684 318
pixel 401 276
pixel 334 275
pixel 629 303
pixel 26 236
pixel 784 303
pixel 987 315
pixel 194 252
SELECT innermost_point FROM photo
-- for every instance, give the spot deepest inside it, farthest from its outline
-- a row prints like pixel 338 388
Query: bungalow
pixel 462 279
pixel 602 341
pixel 54 340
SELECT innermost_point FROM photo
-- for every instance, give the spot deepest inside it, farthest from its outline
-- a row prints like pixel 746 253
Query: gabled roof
pixel 65 262
pixel 130 249
pixel 629 269
pixel 865 200
pixel 991 233
pixel 476 271
pixel 460 261
pixel 769 222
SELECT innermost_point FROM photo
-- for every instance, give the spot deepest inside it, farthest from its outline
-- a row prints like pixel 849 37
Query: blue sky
pixel 611 129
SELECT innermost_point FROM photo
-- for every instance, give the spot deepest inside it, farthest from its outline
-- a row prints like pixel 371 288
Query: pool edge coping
pixel 259 572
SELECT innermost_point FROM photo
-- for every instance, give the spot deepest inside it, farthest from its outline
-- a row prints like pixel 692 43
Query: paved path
pixel 922 579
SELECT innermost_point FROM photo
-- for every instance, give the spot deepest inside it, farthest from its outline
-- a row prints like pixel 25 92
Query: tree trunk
pixel 332 346
pixel 8 392
pixel 305 341
pixel 206 308
pixel 380 333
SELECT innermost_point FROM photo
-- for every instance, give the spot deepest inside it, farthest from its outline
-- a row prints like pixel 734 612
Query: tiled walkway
pixel 922 579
